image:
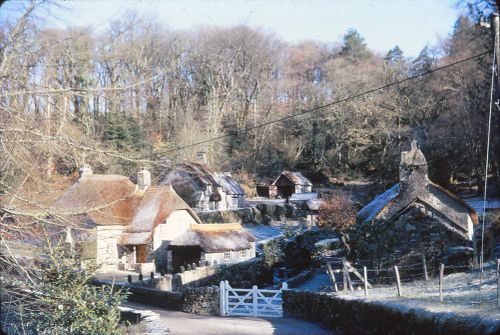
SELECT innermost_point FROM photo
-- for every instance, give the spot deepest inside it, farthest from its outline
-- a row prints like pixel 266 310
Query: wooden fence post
pixel 441 275
pixel 366 280
pixel 498 282
pixel 424 263
pixel 332 276
pixel 344 278
pixel 222 300
pixel 398 282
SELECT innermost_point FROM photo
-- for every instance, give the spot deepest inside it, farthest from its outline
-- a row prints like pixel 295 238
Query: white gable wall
pixel 176 224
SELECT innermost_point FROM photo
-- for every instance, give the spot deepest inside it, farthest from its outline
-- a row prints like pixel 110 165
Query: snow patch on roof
pixel 304 196
pixel 370 211
pixel 477 204
pixel 326 242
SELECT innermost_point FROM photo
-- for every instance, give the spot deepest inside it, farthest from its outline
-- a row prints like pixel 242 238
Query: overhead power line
pixel 336 102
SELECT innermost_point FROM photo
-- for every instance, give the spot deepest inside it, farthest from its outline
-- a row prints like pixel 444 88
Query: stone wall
pixel 401 242
pixel 154 297
pixel 241 215
pixel 201 300
pixel 243 274
pixel 195 300
pixel 362 317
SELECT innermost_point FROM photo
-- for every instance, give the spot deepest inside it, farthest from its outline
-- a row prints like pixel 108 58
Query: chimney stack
pixel 143 179
pixel 85 170
pixel 201 157
pixel 413 168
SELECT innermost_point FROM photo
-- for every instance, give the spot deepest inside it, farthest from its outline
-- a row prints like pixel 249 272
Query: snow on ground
pixel 462 294
pixel 316 283
pixel 261 200
pixel 264 233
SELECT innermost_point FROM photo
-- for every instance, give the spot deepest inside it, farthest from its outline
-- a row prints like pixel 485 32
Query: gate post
pixel 254 299
pixel 222 299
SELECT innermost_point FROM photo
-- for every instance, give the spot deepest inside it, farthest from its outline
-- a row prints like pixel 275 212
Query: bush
pixel 56 297
pixel 337 213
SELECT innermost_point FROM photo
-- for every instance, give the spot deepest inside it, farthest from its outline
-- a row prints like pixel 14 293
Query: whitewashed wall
pixel 234 256
pixel 176 224
pixel 303 189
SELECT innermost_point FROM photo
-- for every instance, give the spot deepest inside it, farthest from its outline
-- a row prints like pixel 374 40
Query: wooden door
pixel 141 253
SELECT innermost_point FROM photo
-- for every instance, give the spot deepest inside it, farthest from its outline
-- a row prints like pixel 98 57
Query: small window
pixel 227 255
pixel 243 253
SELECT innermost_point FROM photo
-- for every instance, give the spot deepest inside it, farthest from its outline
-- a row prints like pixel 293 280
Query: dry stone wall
pixel 362 317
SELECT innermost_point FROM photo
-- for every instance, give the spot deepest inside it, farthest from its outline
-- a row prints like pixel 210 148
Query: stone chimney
pixel 143 179
pixel 201 157
pixel 85 170
pixel 413 168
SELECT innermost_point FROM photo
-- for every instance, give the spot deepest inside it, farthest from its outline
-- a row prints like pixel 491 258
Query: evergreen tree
pixel 123 133
pixel 394 56
pixel 354 47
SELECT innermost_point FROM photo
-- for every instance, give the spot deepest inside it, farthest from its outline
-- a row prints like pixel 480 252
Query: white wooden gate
pixel 250 302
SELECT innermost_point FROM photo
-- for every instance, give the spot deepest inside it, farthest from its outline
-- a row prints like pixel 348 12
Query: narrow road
pixel 181 323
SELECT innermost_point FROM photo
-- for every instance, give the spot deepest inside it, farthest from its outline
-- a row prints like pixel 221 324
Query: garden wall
pixel 196 300
pixel 362 317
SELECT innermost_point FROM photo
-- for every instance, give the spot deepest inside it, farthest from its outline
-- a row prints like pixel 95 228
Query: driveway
pixel 181 323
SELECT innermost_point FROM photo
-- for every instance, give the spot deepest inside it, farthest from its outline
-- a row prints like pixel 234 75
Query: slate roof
pixel 314 204
pixel 296 178
pixel 370 211
pixel 216 237
pixel 388 201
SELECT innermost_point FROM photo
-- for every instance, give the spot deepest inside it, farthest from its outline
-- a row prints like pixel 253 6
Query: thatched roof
pixel 105 199
pixel 189 177
pixel 216 237
pixel 296 178
pixel 115 200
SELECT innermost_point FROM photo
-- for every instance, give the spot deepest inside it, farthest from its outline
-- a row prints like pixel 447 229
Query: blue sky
pixel 411 24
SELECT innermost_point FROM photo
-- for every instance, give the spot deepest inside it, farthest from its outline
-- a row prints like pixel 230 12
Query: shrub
pixel 337 213
pixel 56 297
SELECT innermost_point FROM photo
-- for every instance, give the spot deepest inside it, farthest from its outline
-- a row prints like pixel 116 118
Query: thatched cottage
pixel 289 183
pixel 419 214
pixel 127 226
pixel 204 189
pixel 222 243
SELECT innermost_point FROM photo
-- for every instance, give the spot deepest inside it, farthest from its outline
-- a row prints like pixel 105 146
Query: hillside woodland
pixel 140 94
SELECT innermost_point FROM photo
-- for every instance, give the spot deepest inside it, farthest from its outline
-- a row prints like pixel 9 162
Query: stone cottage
pixel 419 215
pixel 223 243
pixel 204 189
pixel 289 183
pixel 125 226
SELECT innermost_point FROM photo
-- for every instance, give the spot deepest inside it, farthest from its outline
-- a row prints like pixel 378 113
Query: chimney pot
pixel 201 157
pixel 143 179
pixel 85 170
